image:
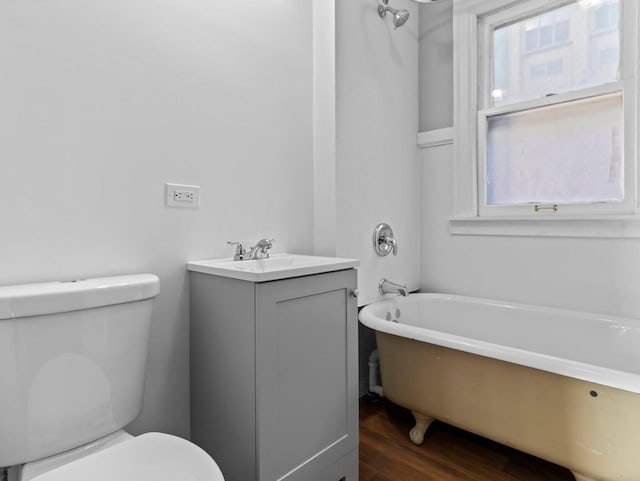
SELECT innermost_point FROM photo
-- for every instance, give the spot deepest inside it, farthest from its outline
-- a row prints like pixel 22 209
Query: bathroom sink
pixel 278 266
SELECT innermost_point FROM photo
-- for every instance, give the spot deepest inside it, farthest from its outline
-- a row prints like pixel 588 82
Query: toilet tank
pixel 73 358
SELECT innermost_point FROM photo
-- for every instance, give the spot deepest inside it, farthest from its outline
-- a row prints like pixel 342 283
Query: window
pixel 605 16
pixel 546 69
pixel 544 31
pixel 609 55
pixel 546 108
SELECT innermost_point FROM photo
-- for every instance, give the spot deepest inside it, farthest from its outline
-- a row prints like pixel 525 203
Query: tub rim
pixel 624 380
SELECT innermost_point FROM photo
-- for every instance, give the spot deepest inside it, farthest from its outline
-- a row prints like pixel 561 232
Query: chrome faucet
pixel 258 251
pixel 386 286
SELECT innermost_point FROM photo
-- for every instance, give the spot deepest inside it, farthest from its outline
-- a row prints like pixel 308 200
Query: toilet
pixel 73 361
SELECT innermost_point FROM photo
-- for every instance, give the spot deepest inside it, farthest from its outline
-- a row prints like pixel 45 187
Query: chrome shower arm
pixel 400 17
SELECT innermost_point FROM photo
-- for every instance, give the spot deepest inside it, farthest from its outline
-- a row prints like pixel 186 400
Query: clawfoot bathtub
pixel 561 385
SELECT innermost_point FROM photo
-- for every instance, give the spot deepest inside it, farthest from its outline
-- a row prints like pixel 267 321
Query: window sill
pixel 612 227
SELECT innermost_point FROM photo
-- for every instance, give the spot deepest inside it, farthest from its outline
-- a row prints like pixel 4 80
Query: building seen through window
pixel 558 51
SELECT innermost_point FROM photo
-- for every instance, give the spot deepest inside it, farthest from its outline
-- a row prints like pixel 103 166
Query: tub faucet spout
pixel 386 286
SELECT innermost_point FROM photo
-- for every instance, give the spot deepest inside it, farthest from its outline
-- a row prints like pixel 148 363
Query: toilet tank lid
pixel 64 296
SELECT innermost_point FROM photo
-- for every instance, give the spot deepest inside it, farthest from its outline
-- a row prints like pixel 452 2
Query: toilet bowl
pixel 148 457
pixel 73 361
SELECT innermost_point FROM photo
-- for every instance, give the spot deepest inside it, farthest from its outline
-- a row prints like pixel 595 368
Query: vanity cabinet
pixel 274 390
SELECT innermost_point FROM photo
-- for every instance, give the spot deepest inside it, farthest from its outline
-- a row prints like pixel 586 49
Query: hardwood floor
pixel 448 454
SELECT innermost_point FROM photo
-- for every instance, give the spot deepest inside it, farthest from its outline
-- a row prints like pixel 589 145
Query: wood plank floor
pixel 448 454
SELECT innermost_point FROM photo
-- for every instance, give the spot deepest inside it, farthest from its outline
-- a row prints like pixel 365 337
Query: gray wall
pixel 436 65
pixel 104 102
pixel 599 275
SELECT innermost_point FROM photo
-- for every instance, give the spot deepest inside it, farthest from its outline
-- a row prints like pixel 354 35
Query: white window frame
pixel 474 21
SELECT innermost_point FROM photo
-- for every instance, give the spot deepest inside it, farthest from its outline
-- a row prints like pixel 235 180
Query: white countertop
pixel 278 266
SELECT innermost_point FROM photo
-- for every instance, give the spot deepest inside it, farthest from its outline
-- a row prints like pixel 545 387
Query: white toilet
pixel 72 369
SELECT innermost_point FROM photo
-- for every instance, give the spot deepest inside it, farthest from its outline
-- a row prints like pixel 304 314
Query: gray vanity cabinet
pixel 274 376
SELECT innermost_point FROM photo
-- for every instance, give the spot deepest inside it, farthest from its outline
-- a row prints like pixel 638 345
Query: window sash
pixel 521 11
pixel 564 209
pixel 565 97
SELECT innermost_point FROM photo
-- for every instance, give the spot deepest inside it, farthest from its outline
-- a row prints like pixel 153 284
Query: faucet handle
pixel 240 252
pixel 264 245
pixel 391 242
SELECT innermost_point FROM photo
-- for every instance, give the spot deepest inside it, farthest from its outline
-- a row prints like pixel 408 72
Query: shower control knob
pixel 384 243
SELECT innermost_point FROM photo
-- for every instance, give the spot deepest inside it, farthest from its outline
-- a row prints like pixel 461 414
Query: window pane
pixel 564 154
pixel 562 31
pixel 531 37
pixel 546 36
pixel 584 37
pixel 555 67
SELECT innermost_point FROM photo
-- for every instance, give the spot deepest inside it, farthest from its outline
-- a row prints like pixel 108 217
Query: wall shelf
pixel 434 138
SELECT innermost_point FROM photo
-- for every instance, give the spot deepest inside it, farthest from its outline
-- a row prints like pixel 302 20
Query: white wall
pixel 377 169
pixel 598 275
pixel 324 127
pixel 103 102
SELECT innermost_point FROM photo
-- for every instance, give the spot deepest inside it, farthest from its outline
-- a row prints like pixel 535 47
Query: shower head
pixel 400 17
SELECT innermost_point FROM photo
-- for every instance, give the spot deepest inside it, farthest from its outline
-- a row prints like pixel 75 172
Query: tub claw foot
pixel 422 424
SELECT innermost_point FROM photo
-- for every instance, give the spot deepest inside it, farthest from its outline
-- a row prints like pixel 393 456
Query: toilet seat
pixel 149 457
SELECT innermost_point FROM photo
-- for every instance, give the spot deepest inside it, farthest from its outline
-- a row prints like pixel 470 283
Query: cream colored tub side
pixel 551 416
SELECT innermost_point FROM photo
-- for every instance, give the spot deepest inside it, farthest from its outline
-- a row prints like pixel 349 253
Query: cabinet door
pixel 306 355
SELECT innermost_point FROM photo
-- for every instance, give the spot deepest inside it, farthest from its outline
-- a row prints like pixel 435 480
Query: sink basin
pixel 278 266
